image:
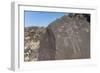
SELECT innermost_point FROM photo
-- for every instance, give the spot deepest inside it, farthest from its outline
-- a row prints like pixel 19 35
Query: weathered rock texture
pixel 65 38
pixel 72 35
pixel 47 48
pixel 32 37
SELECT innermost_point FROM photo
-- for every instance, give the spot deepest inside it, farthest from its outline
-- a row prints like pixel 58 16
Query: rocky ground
pixel 65 38
pixel 32 37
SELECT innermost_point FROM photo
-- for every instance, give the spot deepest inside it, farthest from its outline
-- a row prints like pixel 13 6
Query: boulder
pixel 72 35
pixel 47 48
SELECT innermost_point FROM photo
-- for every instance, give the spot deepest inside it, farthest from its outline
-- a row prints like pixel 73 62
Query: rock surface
pixel 72 35
pixel 32 42
pixel 65 38
pixel 47 48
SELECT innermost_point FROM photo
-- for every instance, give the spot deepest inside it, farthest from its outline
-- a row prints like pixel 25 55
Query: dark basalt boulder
pixel 47 48
pixel 72 35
